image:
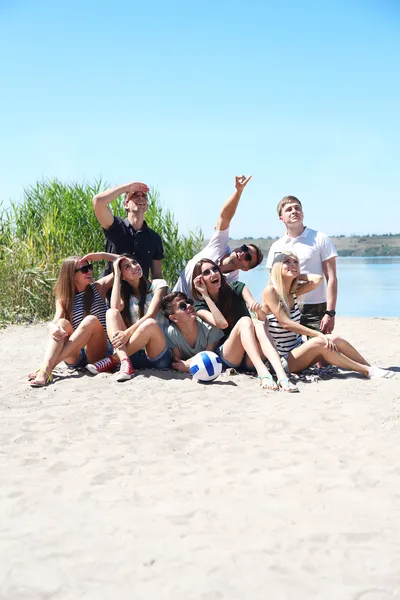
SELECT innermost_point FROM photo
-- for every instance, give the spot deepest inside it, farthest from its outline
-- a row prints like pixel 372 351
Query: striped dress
pixel 285 340
pixel 98 308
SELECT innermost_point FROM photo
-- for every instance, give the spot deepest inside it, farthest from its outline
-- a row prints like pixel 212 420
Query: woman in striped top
pixel 78 330
pixel 283 315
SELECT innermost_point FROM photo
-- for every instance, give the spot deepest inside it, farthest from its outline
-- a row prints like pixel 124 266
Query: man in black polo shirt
pixel 131 234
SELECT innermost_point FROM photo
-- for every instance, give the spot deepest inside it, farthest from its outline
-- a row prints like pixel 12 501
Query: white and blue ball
pixel 205 366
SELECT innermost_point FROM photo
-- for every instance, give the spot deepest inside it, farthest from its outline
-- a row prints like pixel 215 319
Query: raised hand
pixel 136 186
pixel 241 181
pixel 200 285
pixel 117 267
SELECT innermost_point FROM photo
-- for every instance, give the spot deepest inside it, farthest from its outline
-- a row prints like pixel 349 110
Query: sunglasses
pixel 85 269
pixel 208 272
pixel 246 249
pixel 184 305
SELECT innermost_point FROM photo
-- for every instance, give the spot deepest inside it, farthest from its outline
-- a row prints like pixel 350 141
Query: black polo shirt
pixel 145 244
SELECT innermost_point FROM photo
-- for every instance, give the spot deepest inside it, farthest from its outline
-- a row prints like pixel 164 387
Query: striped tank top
pixel 285 340
pixel 98 308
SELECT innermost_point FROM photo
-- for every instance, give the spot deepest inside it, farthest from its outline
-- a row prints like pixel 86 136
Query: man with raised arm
pixel 242 258
pixel 132 234
pixel 316 255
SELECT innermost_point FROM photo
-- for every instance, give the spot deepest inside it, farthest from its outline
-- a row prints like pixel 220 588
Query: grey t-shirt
pixel 206 334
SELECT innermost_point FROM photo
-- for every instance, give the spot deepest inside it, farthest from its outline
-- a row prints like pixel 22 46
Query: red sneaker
pixel 105 365
pixel 126 371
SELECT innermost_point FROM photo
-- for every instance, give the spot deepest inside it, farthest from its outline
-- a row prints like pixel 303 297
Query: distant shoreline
pixel 387 245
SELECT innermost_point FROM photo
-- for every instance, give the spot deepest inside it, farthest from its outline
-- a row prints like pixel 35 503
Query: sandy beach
pixel 161 488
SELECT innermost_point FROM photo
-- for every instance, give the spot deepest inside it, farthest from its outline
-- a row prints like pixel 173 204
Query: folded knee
pixel 64 324
pixel 111 313
pixel 148 324
pixel 90 321
pixel 245 322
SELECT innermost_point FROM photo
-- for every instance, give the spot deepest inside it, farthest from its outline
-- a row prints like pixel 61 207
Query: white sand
pixel 160 488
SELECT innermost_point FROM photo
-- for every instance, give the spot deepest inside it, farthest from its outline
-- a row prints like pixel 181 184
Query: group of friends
pixel 129 319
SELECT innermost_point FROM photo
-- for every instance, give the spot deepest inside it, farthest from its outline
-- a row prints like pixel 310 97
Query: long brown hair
pixel 226 297
pixel 126 293
pixel 64 288
pixel 277 279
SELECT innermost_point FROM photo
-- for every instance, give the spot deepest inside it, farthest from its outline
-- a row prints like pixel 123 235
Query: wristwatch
pixel 330 313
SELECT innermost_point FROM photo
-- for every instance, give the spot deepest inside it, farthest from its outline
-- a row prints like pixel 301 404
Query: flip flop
pixel 272 385
pixel 49 379
pixel 285 385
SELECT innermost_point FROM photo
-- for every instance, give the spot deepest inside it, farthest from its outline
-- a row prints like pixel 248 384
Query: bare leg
pixel 243 339
pixel 311 351
pixel 348 350
pixel 268 347
pixel 89 333
pixel 148 335
pixel 52 352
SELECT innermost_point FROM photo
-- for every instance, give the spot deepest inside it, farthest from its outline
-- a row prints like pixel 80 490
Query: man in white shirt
pixel 317 255
pixel 242 258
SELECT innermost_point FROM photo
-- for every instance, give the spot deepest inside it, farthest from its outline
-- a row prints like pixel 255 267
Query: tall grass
pixel 56 220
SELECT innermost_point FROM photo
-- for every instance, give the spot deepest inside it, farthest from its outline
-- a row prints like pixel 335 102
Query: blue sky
pixel 185 94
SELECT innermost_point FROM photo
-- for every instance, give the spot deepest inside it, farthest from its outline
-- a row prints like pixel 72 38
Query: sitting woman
pixel 244 345
pixel 280 299
pixel 78 330
pixel 133 322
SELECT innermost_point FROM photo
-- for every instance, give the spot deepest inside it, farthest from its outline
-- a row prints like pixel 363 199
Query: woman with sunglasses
pixel 283 314
pixel 78 330
pixel 134 323
pixel 227 306
pixel 186 333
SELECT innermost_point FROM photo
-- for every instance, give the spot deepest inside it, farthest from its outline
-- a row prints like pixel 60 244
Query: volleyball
pixel 205 366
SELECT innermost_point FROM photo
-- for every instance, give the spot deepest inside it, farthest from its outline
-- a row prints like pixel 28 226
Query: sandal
pixel 271 385
pixel 285 385
pixel 34 383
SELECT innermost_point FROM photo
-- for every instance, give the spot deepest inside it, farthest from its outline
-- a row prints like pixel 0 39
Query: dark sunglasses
pixel 85 269
pixel 246 249
pixel 183 305
pixel 208 272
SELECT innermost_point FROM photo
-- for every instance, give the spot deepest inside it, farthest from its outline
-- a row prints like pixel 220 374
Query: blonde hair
pixel 64 289
pixel 276 280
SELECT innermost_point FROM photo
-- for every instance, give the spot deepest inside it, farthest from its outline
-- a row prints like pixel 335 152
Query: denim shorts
pixel 82 360
pixel 140 360
pixel 242 366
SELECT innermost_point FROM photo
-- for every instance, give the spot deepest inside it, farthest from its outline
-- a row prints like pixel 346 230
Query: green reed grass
pixel 56 220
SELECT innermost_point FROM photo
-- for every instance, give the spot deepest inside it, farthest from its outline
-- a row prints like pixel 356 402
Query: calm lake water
pixel 368 287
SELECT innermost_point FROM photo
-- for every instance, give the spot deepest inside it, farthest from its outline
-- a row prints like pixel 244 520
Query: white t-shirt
pixel 216 248
pixel 134 302
pixel 312 249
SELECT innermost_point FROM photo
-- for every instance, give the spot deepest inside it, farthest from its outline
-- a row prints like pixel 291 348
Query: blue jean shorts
pixel 242 366
pixel 82 360
pixel 140 360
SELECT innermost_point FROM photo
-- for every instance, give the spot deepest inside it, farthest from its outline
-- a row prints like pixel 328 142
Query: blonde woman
pixel 78 329
pixel 283 314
